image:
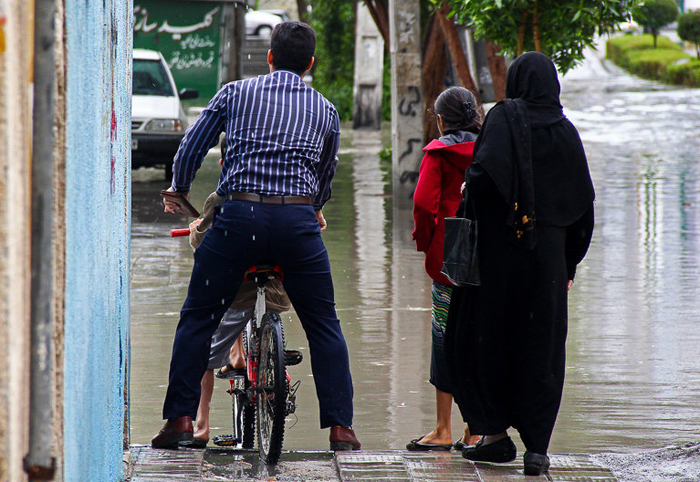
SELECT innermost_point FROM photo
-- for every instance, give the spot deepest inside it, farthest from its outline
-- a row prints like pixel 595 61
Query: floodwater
pixel 633 369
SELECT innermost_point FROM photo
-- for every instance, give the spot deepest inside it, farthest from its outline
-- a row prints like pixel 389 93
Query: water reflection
pixel 633 375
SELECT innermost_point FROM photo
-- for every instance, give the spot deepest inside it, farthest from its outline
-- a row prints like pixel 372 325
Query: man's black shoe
pixel 499 452
pixel 535 464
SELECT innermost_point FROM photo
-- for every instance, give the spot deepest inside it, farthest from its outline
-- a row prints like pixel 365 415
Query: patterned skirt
pixel 439 372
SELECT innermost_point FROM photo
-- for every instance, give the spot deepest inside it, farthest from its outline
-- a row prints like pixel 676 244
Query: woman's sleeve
pixel 578 238
pixel 426 199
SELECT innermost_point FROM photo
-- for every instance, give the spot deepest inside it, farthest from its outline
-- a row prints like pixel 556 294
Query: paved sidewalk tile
pixel 217 464
pixel 445 467
pixel 152 465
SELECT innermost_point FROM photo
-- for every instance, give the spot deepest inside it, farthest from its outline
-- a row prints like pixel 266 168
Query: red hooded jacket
pixel 436 197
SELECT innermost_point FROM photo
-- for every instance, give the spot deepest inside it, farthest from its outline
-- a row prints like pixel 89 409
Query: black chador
pixel 533 199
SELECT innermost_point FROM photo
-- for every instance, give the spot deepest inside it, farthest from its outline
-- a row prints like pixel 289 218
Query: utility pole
pixel 233 40
pixel 369 72
pixel 407 103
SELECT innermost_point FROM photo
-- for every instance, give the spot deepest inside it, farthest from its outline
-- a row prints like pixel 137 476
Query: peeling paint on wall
pixel 2 34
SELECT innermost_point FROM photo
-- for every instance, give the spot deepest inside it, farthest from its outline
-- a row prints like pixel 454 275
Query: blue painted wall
pixel 98 224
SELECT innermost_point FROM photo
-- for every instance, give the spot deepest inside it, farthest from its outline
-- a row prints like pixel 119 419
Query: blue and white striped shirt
pixel 282 138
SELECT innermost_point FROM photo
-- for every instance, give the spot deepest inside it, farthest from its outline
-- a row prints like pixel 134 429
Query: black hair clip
pixel 469 111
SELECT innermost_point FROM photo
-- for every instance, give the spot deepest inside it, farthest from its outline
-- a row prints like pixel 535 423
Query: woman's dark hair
pixel 293 45
pixel 459 111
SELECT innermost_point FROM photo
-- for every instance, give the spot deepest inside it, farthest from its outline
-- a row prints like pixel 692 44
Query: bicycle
pixel 265 396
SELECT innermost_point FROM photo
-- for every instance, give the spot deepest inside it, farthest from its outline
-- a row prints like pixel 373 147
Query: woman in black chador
pixel 533 199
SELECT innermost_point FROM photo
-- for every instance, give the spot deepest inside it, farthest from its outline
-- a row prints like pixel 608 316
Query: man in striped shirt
pixel 282 139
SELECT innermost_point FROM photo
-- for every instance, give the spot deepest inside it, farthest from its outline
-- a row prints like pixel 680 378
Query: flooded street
pixel 633 367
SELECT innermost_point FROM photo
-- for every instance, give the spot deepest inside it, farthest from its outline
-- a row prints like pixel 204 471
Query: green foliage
pixel 687 73
pixel 689 28
pixel 567 27
pixel 334 23
pixel 667 63
pixel 653 15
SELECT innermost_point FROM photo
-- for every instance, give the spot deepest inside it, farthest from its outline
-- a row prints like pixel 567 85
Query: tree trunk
pixel 521 33
pixel 456 51
pixel 379 10
pixel 303 10
pixel 497 67
pixel 433 73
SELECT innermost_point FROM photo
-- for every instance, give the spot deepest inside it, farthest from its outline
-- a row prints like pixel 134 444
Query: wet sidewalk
pixel 145 464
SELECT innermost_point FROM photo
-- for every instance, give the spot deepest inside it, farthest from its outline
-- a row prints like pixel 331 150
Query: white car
pixel 158 121
pixel 260 23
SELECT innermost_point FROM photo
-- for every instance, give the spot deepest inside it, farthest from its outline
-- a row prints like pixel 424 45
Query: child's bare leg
pixel 443 430
pixel 201 426
pixel 237 354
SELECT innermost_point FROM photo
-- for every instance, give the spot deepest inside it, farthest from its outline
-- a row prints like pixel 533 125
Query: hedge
pixel 667 63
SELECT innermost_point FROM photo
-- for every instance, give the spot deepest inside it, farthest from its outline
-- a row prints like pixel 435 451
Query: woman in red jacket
pixel 437 196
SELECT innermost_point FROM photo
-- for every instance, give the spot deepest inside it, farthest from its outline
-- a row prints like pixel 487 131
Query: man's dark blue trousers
pixel 246 233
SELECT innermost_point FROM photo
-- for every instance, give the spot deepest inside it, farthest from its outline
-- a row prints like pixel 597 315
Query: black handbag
pixel 460 250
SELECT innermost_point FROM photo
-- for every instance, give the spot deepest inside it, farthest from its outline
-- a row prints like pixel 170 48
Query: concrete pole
pixel 406 99
pixel 233 41
pixel 40 463
pixel 369 70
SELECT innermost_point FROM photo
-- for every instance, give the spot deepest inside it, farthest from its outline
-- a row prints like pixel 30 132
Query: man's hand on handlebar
pixel 171 207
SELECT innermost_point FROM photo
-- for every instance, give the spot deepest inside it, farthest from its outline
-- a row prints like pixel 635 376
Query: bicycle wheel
pixel 272 389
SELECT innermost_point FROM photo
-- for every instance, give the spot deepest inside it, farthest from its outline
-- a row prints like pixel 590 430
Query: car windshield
pixel 150 78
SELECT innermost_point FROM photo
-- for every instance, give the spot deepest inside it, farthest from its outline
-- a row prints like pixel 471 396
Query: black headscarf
pixel 533 153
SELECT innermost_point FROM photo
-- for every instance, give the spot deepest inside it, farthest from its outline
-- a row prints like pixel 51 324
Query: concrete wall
pixel 98 221
pixel 15 162
pixel 91 226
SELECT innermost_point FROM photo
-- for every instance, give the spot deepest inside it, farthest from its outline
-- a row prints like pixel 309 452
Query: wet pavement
pixel 186 465
pixel 633 370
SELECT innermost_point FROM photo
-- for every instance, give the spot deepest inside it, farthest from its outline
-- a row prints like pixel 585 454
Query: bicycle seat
pixel 264 271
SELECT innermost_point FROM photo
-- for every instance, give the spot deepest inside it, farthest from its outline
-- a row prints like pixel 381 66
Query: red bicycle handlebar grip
pixel 174 233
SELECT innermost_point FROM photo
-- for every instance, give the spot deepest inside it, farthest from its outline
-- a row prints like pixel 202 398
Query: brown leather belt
pixel 260 198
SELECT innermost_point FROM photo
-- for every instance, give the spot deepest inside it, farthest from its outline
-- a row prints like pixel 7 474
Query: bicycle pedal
pixel 225 440
pixel 238 383
pixel 292 357
pixel 291 406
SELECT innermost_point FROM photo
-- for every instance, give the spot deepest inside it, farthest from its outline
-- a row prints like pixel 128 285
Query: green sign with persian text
pixel 188 34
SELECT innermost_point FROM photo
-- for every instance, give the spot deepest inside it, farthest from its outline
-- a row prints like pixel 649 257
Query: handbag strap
pixel 468 204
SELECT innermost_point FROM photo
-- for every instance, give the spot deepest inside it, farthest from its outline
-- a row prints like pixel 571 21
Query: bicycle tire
pixel 272 389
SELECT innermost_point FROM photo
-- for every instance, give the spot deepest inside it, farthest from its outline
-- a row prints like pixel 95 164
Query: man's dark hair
pixel 293 45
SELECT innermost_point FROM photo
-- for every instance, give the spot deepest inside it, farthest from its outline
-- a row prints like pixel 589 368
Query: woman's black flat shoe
pixel 498 452
pixel 416 446
pixel 535 464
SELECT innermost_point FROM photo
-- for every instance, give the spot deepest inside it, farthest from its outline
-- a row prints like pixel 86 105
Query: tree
pixel 334 23
pixel 689 29
pixel 653 15
pixel 561 29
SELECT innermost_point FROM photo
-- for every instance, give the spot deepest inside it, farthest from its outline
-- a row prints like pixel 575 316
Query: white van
pixel 158 122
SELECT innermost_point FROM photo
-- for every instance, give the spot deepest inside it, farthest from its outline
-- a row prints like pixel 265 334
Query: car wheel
pixel 264 31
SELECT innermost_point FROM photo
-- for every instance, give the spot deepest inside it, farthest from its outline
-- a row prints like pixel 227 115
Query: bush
pixel 667 63
pixel 652 64
pixel 689 29
pixel 687 73
pixel 620 48
pixel 653 15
